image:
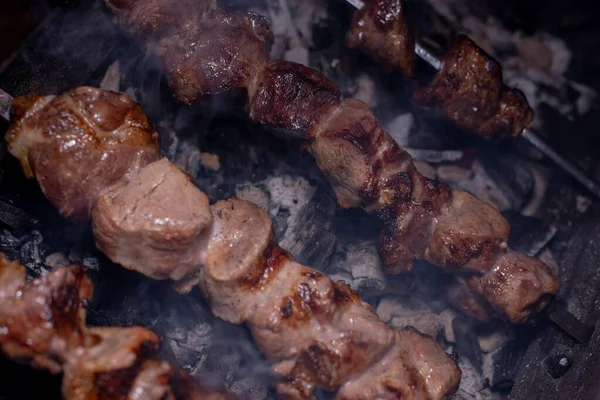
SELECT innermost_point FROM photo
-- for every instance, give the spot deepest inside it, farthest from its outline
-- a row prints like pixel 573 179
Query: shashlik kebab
pixel 95 156
pixel 207 51
pixel 468 87
pixel 42 322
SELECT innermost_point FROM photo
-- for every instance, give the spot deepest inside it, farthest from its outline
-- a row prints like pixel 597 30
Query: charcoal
pixel 558 365
pixel 511 174
pixel 528 235
pixel 467 343
pixel 508 359
pixel 406 311
pixel 359 265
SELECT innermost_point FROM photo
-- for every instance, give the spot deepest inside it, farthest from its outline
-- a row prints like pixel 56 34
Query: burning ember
pixel 299 153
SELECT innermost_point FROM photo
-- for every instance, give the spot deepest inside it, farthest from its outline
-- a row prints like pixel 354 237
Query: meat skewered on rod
pixel 42 322
pixel 147 215
pixel 395 26
pixel 421 218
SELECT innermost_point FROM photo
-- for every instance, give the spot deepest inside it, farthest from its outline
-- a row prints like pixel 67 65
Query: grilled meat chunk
pixel 469 235
pixel 204 51
pixel 470 91
pixel 291 97
pixel 316 331
pixel 155 19
pixel 223 51
pixel 43 322
pixel 79 144
pixel 382 29
pixel 161 208
pixel 40 321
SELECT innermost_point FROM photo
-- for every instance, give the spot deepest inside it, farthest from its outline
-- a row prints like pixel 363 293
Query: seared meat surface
pixel 421 218
pixel 79 143
pixel 317 333
pixel 43 322
pixel 204 51
pixel 471 94
pixel 382 29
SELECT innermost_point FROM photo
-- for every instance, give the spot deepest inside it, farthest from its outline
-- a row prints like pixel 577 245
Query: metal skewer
pixel 527 133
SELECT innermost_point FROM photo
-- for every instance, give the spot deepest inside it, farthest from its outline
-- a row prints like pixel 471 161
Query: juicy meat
pixel 40 321
pixel 223 51
pixel 204 51
pixel 43 322
pixel 291 97
pixel 153 222
pixel 382 29
pixel 470 91
pixel 513 115
pixel 469 235
pixel 153 19
pixel 79 143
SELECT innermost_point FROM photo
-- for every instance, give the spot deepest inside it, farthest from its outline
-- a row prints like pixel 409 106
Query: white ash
pixel 359 265
pixel 57 260
pixel 253 194
pixel 425 169
pixel 472 386
pixel 112 78
pixel 297 54
pixel 249 389
pixel 400 128
pixel 493 341
pixel 434 156
pixel 189 159
pixel 541 175
pixel 453 173
pixel 406 311
pixel 291 194
pixel 583 203
pixel 446 317
pixel 483 187
pixel 365 91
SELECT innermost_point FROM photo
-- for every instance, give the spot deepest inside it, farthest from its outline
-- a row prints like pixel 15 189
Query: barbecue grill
pixel 79 46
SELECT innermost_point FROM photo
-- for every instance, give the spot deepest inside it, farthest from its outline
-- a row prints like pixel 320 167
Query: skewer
pixel 527 133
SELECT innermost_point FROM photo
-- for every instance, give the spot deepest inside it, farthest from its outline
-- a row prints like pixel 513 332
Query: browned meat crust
pixel 291 96
pixel 471 94
pixel 204 51
pixel 382 29
pixel 43 322
pixel 317 332
pixel 79 143
pixel 421 218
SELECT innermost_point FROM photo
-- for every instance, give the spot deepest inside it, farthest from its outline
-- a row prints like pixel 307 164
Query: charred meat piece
pixel 40 320
pixel 513 115
pixel 155 19
pixel 79 144
pixel 291 97
pixel 382 29
pixel 469 235
pixel 43 322
pixel 470 92
pixel 204 51
pixel 223 51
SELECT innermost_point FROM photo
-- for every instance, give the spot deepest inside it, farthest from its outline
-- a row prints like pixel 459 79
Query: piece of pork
pixel 382 28
pixel 153 223
pixel 80 143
